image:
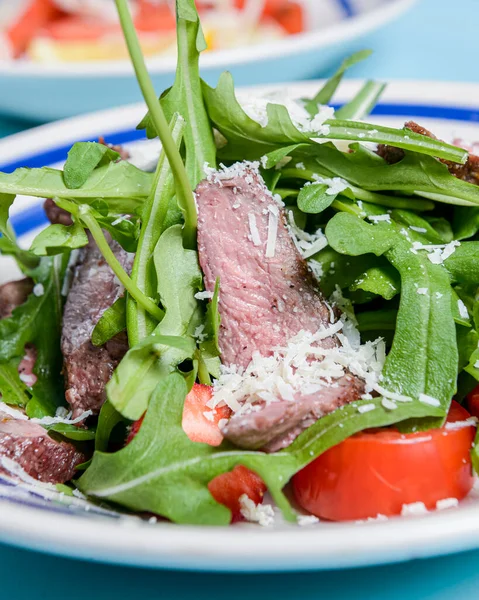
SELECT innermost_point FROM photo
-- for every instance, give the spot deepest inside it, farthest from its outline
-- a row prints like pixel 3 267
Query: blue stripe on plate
pixel 347 7
pixel 35 217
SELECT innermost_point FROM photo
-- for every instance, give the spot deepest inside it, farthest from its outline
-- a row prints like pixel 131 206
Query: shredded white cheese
pixel 263 514
pixel 254 232
pixel 378 218
pixel 204 295
pixel 273 222
pixel 414 509
pixel 425 399
pixel 389 404
pixel 364 408
pixel 447 503
pixel 307 520
pixel 38 290
pixel 462 309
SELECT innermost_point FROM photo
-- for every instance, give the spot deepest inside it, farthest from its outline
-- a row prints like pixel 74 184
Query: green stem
pixel 139 322
pixel 363 103
pixel 184 191
pixel 97 233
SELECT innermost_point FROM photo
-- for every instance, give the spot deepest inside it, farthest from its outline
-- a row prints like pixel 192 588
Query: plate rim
pixel 341 31
pixel 165 545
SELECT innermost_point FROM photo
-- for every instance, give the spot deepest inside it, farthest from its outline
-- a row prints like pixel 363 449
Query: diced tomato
pixel 200 423
pixel 228 488
pixel 291 17
pixel 36 15
pixel 77 28
pixel 152 16
pixel 473 402
pixel 377 472
pixel 287 13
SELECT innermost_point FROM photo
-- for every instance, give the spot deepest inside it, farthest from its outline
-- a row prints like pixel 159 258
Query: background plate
pixel 451 111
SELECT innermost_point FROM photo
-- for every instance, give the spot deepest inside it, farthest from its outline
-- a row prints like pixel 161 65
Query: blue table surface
pixel 437 39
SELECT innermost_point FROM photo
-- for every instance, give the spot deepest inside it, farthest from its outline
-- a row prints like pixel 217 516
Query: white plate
pixel 44 92
pixel 450 110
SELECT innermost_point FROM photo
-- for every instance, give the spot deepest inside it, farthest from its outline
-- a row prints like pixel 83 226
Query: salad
pixel 79 30
pixel 287 303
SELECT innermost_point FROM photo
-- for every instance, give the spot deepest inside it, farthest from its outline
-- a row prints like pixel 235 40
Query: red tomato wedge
pixel 228 488
pixel 36 15
pixel 78 28
pixel 152 16
pixel 377 472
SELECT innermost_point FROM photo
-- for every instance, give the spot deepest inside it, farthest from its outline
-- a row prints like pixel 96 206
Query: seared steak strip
pixel 94 289
pixel 468 172
pixel 264 302
pixel 42 457
pixel 14 294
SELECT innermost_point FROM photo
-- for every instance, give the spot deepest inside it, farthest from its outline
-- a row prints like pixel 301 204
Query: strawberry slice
pixel 228 488
pixel 200 424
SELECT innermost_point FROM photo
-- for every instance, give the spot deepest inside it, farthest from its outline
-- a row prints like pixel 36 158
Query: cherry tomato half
pixel 376 472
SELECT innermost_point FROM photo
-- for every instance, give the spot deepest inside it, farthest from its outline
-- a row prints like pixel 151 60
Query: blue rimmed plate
pixel 39 519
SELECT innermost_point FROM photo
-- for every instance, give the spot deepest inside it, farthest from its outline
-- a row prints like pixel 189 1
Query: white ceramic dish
pixel 26 520
pixel 52 91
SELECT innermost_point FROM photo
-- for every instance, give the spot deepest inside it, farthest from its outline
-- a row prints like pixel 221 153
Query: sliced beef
pixel 55 214
pixel 124 154
pixel 42 457
pixel 88 368
pixel 264 302
pixel 468 172
pixel 14 294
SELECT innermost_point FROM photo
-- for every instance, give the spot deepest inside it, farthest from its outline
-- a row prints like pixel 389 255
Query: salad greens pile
pixel 393 255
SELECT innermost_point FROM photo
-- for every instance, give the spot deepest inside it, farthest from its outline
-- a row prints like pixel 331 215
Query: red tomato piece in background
pixel 287 13
pixel 377 472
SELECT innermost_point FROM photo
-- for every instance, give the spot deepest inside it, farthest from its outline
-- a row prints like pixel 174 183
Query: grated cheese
pixel 336 184
pixel 378 218
pixel 425 399
pixel 364 408
pixel 389 404
pixel 414 509
pixel 273 222
pixel 204 295
pixel 263 514
pixel 422 291
pixel 447 503
pixel 38 290
pixel 255 238
pixel 418 229
pixel 462 309
pixel 301 367
pixel 306 520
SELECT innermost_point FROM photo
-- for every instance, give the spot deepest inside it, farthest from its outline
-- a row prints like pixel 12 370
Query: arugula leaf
pixel 363 103
pixel 179 278
pixel 463 265
pixel 209 348
pixel 56 239
pixel 465 222
pixel 112 322
pixel 12 388
pixel 424 356
pixel 248 139
pixel 38 322
pixel 82 160
pixel 163 472
pixel 381 281
pixel 182 184
pixel 108 419
pixel 121 182
pixel 141 369
pixel 186 96
pixel 6 201
pixel 328 90
pixel 26 261
pixel 315 198
pixel 140 323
